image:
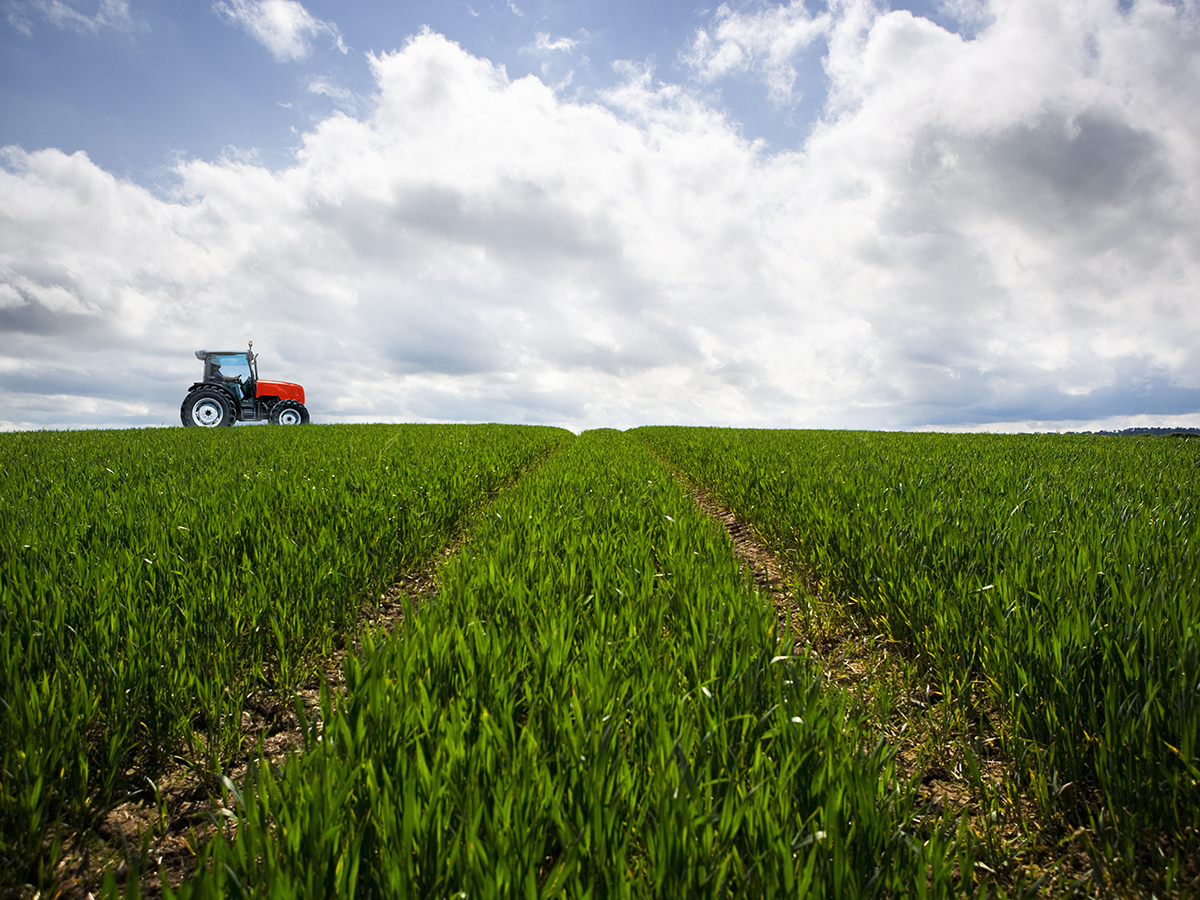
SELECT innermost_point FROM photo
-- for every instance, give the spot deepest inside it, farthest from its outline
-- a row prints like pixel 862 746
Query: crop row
pixel 1057 578
pixel 595 704
pixel 150 580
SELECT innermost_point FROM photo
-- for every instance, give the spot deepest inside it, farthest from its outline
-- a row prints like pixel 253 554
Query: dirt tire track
pixel 842 662
pixel 851 659
pixel 757 557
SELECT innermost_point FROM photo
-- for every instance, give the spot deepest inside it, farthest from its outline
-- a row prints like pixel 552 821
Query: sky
pixel 946 215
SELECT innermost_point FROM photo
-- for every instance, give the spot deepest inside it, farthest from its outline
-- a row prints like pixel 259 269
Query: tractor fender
pixel 219 386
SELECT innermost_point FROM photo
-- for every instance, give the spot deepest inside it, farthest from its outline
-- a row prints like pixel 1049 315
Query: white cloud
pixel 543 43
pixel 284 27
pixel 1002 229
pixel 765 42
pixel 343 97
pixel 554 53
pixel 112 14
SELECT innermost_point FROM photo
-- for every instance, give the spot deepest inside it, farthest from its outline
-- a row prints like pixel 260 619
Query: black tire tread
pixel 284 405
pixel 194 397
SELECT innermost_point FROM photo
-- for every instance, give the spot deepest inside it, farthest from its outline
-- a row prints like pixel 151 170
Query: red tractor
pixel 231 392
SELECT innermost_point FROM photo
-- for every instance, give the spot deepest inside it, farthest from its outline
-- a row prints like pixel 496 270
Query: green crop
pixel 595 705
pixel 596 701
pixel 1057 576
pixel 149 580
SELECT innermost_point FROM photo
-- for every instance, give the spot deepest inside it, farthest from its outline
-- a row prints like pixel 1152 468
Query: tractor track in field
pixel 926 751
pixel 849 657
pixel 166 825
pixel 179 812
pixel 843 662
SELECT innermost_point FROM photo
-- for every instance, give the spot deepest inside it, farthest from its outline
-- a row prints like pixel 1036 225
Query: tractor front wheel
pixel 206 408
pixel 289 412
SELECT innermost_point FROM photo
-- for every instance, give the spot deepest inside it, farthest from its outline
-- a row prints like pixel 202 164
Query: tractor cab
pixel 232 392
pixel 217 364
pixel 237 370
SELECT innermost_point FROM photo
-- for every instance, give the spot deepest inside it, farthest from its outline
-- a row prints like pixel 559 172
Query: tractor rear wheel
pixel 289 412
pixel 207 408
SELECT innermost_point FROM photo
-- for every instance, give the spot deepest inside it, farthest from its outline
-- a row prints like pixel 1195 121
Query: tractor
pixel 232 392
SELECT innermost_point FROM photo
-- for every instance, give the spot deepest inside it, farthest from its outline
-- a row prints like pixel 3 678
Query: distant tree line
pixel 1160 432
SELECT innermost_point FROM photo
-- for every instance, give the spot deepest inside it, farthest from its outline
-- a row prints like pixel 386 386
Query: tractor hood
pixel 284 390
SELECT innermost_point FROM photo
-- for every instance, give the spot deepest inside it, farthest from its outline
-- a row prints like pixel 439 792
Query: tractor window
pixel 228 367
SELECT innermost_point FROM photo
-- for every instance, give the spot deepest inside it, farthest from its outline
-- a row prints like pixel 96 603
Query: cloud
pixel 554 53
pixel 112 14
pixel 1000 229
pixel 282 26
pixel 765 42
pixel 343 97
pixel 543 43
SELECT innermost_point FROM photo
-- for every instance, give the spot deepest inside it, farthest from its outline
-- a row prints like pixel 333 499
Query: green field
pixel 596 701
pixel 1057 577
pixel 152 579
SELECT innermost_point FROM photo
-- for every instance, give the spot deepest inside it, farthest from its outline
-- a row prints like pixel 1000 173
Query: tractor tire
pixel 288 412
pixel 206 408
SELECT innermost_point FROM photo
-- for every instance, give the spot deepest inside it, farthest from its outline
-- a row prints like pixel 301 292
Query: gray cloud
pixel 1085 162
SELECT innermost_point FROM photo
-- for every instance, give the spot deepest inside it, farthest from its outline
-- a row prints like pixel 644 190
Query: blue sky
pixel 962 214
pixel 178 78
